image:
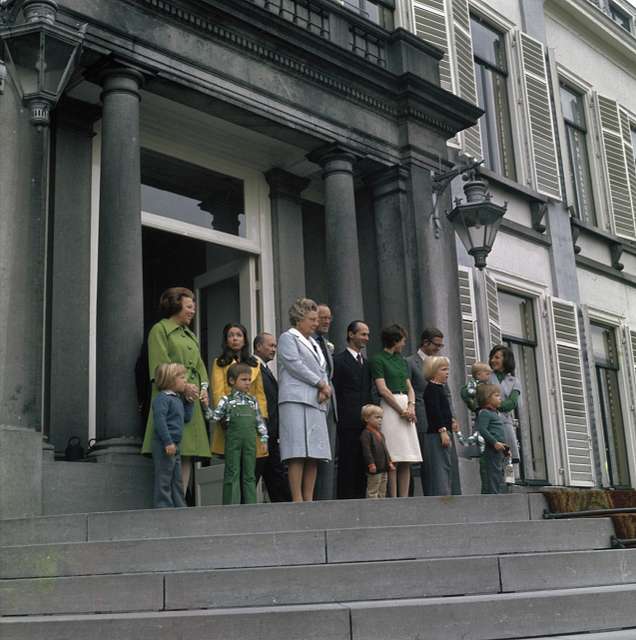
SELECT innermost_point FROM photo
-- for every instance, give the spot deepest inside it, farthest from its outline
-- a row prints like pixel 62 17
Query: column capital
pixel 333 157
pixel 284 184
pixel 120 79
pixel 387 181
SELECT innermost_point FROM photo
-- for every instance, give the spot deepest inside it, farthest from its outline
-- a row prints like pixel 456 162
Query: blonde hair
pixel 433 365
pixel 478 367
pixel 166 374
pixel 368 410
pixel 484 393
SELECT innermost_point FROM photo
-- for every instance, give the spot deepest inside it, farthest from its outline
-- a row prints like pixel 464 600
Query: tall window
pixel 519 334
pixel 573 110
pixel 491 75
pixel 606 365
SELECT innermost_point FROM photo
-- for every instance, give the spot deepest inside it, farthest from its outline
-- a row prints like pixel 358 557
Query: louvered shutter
pixel 534 80
pixel 615 164
pixel 429 18
pixel 492 305
pixel 465 72
pixel 469 317
pixel 571 393
pixel 629 341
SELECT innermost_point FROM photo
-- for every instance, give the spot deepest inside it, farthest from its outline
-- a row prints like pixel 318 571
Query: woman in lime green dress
pixel 170 340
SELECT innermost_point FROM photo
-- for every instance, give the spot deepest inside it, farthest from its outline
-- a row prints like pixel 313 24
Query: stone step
pixel 481 617
pixel 534 572
pixel 203 521
pixel 625 634
pixel 495 617
pixel 303 547
pixel 315 584
pixel 266 586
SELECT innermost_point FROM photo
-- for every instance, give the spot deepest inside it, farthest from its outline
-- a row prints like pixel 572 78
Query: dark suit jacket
pixel 270 385
pixel 353 389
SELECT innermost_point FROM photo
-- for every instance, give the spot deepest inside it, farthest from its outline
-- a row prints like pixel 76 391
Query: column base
pixel 20 472
pixel 122 450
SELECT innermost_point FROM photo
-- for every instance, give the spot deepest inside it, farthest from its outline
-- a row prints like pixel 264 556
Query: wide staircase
pixel 469 567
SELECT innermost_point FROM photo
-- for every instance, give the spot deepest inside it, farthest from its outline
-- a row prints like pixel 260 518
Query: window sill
pixel 600 234
pixel 511 185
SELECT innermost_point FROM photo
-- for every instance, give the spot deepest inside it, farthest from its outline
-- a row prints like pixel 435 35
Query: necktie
pixel 360 359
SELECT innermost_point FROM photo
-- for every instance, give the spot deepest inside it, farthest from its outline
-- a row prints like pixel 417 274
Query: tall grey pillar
pixel 287 239
pixel 119 276
pixel 344 282
pixel 70 271
pixel 23 207
pixel 388 190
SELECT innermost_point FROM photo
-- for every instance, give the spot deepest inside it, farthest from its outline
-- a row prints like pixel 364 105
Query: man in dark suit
pixel 352 383
pixel 271 468
pixel 431 343
pixel 326 479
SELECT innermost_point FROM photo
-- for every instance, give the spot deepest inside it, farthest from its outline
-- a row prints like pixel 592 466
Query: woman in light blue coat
pixel 303 400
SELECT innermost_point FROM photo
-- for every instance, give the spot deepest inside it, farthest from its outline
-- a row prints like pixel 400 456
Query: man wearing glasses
pixel 431 344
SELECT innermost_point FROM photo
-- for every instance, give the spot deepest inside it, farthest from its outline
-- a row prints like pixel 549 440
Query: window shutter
pixel 469 317
pixel 465 72
pixel 492 304
pixel 429 18
pixel 534 81
pixel 616 168
pixel 571 393
pixel 630 363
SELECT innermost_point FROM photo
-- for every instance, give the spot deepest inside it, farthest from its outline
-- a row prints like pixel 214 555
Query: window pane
pixel 620 17
pixel 192 194
pixel 494 125
pixel 488 44
pixel 530 428
pixel 516 316
pixel 580 178
pixel 613 427
pixel 572 106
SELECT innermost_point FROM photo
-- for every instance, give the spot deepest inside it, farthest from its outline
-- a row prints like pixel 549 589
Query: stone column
pixel 344 282
pixel 119 284
pixel 70 271
pixel 23 207
pixel 388 190
pixel 287 240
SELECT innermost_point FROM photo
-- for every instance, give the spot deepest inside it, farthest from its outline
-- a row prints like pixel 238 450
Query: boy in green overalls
pixel 238 413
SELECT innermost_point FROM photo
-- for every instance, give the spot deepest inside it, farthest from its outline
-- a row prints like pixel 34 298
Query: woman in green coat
pixel 170 340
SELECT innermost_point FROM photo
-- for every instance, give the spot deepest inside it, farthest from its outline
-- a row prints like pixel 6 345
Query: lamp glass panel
pixel 24 51
pixel 57 56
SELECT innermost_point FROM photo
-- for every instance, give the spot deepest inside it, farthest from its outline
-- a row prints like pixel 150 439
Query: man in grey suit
pixel 326 481
pixel 431 343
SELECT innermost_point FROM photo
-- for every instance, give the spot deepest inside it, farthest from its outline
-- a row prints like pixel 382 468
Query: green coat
pixel 171 342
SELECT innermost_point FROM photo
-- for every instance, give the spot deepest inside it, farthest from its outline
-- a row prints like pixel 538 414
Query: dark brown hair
pixel 170 301
pixel 508 358
pixel 392 335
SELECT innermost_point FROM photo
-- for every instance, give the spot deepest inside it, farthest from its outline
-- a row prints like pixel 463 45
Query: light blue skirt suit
pixel 302 420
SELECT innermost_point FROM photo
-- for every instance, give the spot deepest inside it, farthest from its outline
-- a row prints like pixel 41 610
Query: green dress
pixel 169 341
pixel 393 368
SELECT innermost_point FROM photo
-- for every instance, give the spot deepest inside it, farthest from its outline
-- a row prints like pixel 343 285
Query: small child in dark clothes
pixel 374 451
pixel 490 425
pixel 169 413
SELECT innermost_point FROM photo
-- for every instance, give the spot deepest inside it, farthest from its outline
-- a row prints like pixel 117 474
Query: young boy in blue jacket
pixel 170 412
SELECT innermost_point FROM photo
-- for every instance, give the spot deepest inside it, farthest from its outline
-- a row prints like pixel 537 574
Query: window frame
pixel 588 131
pixel 534 345
pixel 614 8
pixel 601 317
pixel 537 292
pixel 562 75
pixel 504 29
